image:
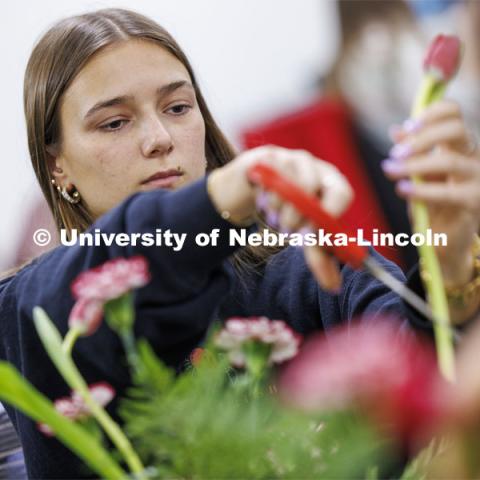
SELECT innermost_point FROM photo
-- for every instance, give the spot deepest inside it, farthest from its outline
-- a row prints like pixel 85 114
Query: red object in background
pixel 324 129
pixel 443 57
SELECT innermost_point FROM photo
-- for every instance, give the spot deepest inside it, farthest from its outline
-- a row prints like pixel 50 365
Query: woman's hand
pixel 438 148
pixel 231 191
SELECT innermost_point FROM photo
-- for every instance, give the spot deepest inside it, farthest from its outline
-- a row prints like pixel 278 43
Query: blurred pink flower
pixel 374 366
pixel 74 407
pixel 86 315
pixel 112 279
pixel 238 331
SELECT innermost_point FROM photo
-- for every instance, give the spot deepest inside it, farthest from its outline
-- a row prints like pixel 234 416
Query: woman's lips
pixel 163 179
pixel 162 182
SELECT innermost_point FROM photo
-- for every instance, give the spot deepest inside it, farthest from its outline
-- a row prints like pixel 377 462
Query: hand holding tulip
pixel 437 147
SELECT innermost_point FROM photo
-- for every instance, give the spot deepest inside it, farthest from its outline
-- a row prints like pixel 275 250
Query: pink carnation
pixel 74 407
pixel 112 279
pixel 86 315
pixel 238 331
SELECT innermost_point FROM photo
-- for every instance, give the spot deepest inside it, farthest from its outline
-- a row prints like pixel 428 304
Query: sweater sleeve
pixel 287 290
pixel 173 311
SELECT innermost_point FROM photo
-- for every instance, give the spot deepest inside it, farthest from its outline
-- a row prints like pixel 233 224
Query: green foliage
pixel 204 424
pixel 16 391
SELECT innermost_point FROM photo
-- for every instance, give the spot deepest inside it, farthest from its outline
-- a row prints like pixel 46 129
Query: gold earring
pixel 73 198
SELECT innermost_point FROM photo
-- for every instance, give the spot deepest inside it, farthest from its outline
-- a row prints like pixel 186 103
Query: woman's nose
pixel 156 139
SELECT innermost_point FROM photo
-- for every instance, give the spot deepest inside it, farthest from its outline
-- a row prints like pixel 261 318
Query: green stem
pixel 429 92
pixel 52 341
pixel 111 428
pixel 128 341
pixel 69 341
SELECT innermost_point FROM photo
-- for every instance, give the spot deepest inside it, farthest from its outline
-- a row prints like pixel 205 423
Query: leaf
pixel 154 372
pixel 16 391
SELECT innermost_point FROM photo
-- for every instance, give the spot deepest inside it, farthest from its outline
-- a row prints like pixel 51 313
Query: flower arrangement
pixel 254 402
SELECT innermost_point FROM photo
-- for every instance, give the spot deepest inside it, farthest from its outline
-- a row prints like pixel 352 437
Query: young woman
pixel 121 140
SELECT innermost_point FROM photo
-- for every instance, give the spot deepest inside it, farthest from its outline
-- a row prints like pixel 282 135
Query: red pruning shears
pixel 355 255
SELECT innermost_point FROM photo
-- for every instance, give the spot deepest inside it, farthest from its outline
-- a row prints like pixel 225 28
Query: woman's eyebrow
pixel 161 92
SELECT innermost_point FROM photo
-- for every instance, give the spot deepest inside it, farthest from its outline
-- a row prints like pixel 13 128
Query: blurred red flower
pixel 371 365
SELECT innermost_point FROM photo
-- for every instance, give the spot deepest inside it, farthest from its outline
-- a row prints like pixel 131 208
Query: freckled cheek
pixel 190 143
pixel 102 173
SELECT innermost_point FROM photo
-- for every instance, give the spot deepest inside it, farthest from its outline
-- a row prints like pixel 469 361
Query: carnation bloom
pixel 374 366
pixel 112 279
pixel 237 332
pixel 86 315
pixel 74 407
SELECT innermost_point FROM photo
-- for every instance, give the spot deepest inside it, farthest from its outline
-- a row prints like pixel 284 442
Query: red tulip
pixel 443 57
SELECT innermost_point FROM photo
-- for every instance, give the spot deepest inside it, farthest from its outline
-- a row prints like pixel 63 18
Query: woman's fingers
pixel 439 111
pixel 441 162
pixel 324 268
pixel 464 195
pixel 451 131
pixel 313 176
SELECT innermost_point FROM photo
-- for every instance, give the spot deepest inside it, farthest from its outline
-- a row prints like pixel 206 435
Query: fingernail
pixel 261 201
pixel 405 186
pixel 272 218
pixel 392 166
pixel 304 231
pixel 412 125
pixel 400 151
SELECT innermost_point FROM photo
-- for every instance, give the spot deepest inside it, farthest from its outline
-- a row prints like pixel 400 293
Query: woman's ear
pixel 55 165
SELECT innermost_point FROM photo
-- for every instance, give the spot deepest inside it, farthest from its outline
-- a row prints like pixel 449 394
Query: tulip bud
pixel 443 57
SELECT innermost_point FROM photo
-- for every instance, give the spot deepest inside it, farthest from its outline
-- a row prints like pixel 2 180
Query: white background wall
pixel 253 58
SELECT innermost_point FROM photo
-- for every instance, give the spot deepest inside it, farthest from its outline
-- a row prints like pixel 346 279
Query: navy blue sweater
pixel 189 289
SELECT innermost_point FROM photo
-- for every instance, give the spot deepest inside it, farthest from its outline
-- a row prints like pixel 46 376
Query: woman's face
pixel 130 122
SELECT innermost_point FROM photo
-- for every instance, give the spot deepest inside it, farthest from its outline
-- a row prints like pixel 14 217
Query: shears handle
pixel 269 179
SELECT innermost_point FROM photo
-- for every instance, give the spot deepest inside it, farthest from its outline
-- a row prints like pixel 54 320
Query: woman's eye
pixel 114 125
pixel 179 109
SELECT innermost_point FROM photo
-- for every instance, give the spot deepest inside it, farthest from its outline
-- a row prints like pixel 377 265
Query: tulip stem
pixel 430 91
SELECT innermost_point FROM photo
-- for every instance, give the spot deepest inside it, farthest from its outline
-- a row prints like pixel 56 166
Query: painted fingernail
pixel 412 125
pixel 401 151
pixel 272 218
pixel 405 186
pixel 392 166
pixel 304 231
pixel 261 201
pixel 284 229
